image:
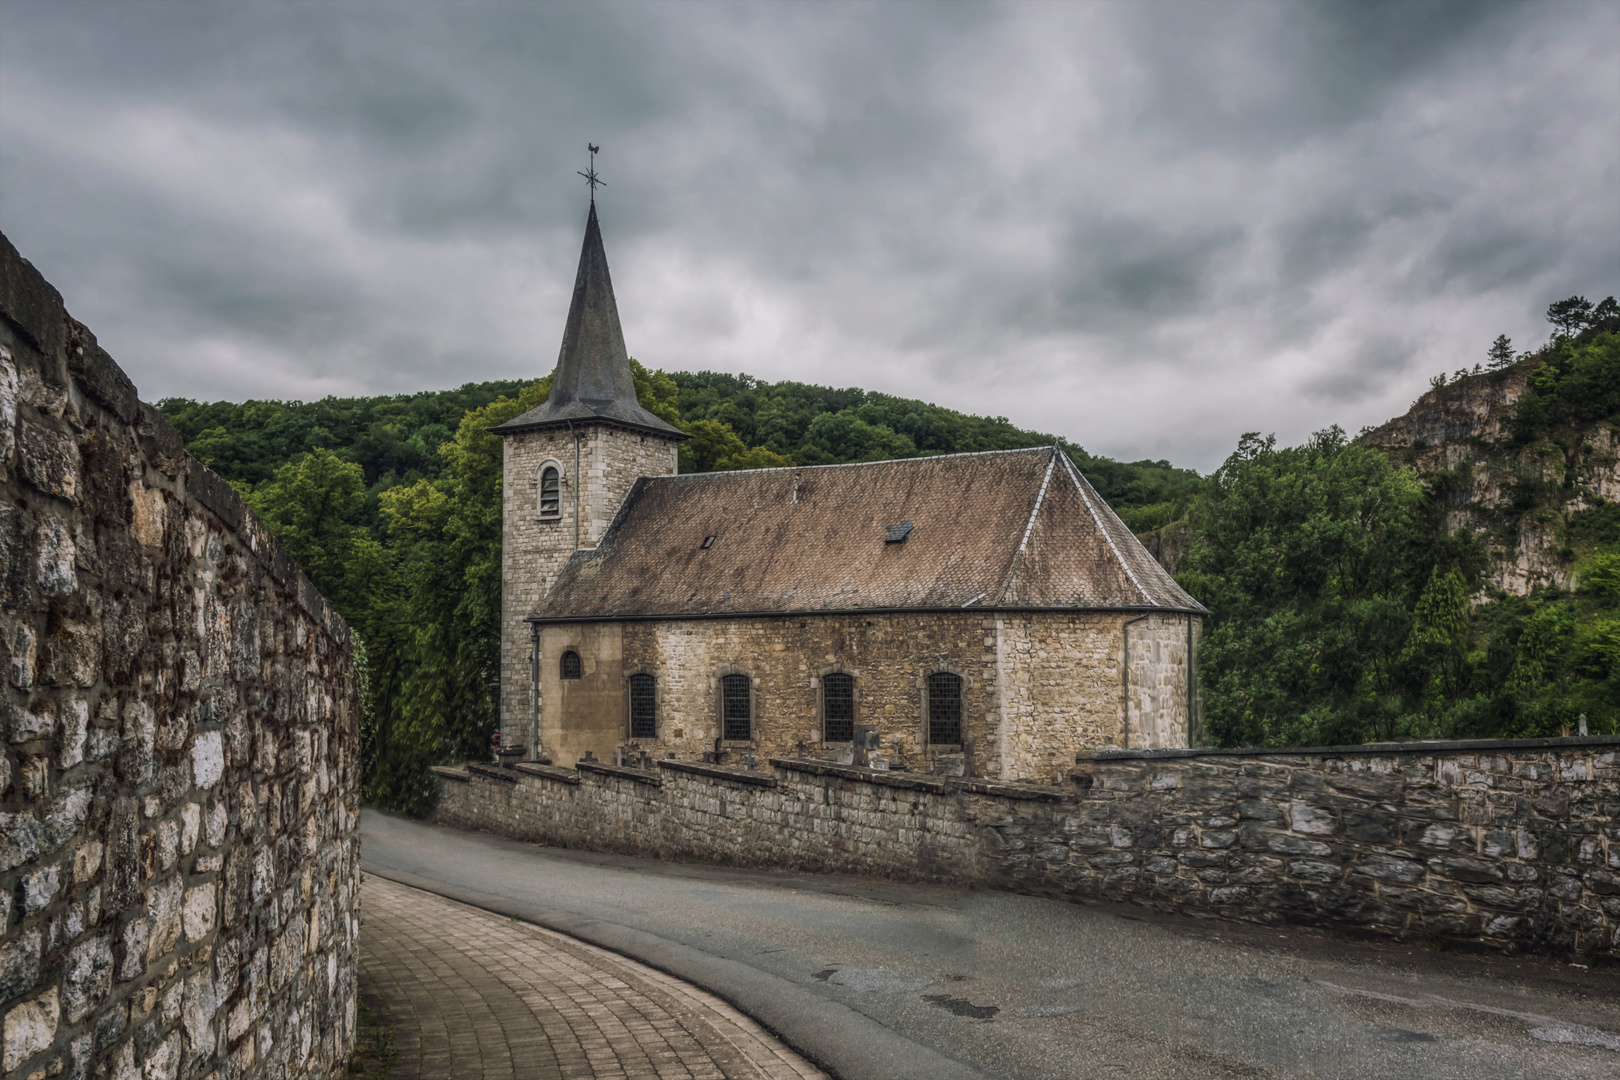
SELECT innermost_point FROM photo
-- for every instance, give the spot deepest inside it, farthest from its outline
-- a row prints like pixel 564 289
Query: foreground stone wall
pixel 178 745
pixel 1511 844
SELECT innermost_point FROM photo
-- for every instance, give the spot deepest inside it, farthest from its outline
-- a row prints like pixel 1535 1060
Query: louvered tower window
pixel 736 708
pixel 571 666
pixel 945 709
pixel 550 492
pixel 643 707
pixel 837 707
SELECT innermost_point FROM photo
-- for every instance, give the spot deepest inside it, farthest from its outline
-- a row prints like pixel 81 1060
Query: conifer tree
pixel 1501 353
pixel 1570 316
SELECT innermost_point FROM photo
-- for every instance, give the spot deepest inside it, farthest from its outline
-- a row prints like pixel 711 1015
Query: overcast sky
pixel 1148 227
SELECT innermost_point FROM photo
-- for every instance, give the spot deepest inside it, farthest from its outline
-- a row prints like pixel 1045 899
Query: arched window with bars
pixel 736 708
pixel 550 491
pixel 837 707
pixel 643 707
pixel 944 708
pixel 571 666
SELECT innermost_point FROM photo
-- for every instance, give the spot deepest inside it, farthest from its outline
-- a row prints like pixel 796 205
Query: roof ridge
pixel 1080 486
pixel 856 464
pixel 1029 526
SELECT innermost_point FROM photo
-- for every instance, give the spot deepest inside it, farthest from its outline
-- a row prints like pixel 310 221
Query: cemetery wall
pixel 1514 844
pixel 179 788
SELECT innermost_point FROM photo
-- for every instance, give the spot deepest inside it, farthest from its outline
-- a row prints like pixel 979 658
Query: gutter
pixel 1150 609
pixel 575 434
pixel 534 692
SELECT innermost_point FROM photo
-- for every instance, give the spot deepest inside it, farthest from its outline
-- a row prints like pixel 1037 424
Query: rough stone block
pixel 1312 820
pixel 19 964
pixel 89 978
pixel 1387 868
pixel 1471 870
pixel 30 1028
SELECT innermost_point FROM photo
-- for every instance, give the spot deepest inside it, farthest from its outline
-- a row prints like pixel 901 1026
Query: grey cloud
pixel 1253 76
pixel 1258 216
pixel 1377 360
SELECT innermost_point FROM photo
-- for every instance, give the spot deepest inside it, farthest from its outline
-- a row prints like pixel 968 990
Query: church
pixel 982 612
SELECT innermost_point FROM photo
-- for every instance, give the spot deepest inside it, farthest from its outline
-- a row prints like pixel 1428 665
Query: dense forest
pixel 1343 609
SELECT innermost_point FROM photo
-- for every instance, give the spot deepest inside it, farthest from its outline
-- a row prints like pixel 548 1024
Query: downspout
pixel 1190 678
pixel 534 691
pixel 575 434
pixel 1128 623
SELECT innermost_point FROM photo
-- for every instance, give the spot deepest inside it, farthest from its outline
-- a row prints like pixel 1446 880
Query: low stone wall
pixel 178 745
pixel 1512 844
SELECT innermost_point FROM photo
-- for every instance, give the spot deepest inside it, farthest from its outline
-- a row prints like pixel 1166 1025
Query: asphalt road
pixel 875 981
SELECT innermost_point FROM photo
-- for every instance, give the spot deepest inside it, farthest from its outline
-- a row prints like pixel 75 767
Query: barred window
pixel 571 666
pixel 550 492
pixel 837 707
pixel 736 708
pixel 643 707
pixel 945 709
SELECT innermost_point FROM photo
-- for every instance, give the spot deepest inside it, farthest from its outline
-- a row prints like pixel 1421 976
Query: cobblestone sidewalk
pixel 473 995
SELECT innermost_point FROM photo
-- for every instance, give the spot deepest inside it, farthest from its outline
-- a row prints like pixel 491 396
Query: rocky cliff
pixel 1524 495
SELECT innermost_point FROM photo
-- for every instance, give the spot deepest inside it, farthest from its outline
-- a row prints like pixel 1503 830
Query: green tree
pixel 1310 560
pixel 757 458
pixel 1570 316
pixel 1501 353
pixel 711 442
pixel 1442 630
pixel 847 437
pixel 440 700
pixel 313 505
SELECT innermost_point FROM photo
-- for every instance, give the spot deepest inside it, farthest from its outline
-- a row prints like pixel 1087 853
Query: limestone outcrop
pixel 1522 494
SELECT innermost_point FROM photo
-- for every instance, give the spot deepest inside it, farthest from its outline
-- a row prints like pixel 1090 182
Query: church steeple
pixel 592 380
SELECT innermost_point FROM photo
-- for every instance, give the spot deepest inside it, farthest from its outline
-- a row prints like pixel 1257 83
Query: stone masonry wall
pixel 534 549
pixel 1510 844
pixel 784 657
pixel 178 745
pixel 1039 687
pixel 1063 691
pixel 1159 688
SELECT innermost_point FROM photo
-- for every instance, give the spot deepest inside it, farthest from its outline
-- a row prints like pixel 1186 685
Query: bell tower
pixel 567 467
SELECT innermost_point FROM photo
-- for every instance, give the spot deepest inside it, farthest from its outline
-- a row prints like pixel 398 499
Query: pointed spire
pixel 592 380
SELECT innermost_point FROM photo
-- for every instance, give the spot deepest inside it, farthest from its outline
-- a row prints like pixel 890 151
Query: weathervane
pixel 590 177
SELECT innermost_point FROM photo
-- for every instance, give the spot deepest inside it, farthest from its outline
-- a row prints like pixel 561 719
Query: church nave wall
pixel 1038 687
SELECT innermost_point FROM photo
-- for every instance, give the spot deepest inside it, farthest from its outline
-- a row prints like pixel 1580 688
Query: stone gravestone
pixel 865 744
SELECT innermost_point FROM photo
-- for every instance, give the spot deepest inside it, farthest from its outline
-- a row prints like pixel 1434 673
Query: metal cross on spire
pixel 590 177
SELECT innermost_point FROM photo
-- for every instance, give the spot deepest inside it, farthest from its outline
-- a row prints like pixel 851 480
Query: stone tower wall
pixel 534 550
pixel 179 738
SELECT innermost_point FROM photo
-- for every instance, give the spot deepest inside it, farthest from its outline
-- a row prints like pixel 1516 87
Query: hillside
pixel 1452 573
pixel 1542 500
pixel 737 421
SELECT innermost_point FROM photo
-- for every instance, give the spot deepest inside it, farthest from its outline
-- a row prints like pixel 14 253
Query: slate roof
pixel 1005 529
pixel 592 381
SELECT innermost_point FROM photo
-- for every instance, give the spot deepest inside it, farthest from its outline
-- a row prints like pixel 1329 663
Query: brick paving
pixel 474 995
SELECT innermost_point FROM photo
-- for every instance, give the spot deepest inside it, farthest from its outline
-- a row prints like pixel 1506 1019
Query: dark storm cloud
pixel 1253 77
pixel 1144 226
